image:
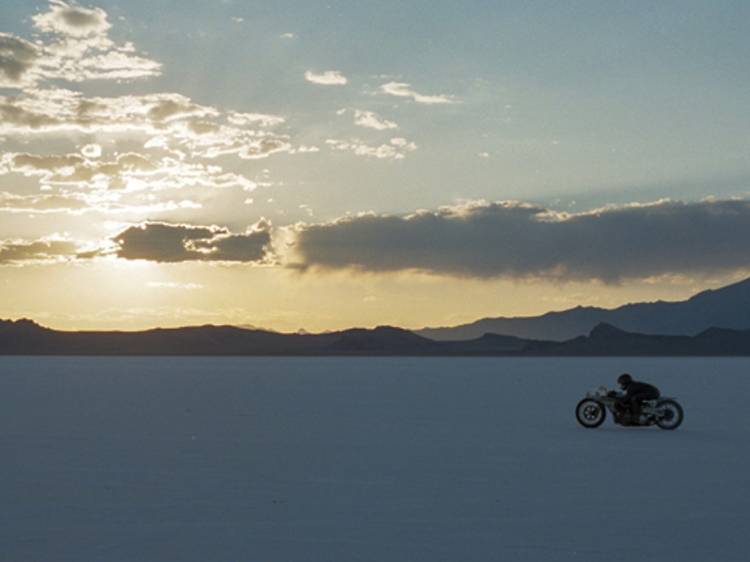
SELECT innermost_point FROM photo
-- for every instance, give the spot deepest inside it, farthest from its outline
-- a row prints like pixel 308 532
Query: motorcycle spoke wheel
pixel 590 413
pixel 672 415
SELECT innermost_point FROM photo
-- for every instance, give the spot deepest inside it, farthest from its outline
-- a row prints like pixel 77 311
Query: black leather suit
pixel 635 393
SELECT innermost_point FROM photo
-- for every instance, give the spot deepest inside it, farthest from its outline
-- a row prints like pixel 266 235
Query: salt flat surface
pixel 361 459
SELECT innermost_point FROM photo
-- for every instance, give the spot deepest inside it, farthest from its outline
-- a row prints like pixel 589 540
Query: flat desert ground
pixel 366 459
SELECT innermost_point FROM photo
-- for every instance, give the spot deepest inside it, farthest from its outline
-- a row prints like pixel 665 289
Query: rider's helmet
pixel 624 380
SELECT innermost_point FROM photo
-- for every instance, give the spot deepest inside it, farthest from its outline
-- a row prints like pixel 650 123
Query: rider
pixel 635 393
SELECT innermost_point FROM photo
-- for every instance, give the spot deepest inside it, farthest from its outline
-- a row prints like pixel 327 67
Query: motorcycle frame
pixel 650 408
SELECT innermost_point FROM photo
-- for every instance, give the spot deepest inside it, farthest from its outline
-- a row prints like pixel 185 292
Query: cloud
pixel 57 110
pixel 41 203
pixel 17 59
pixel 151 241
pixel 327 78
pixel 166 242
pixel 74 20
pixel 130 183
pixel 515 240
pixel 39 112
pixel 127 171
pixel 178 136
pixel 372 120
pixel 160 108
pixel 261 119
pixel 186 131
pixel 395 149
pixel 92 151
pixel 19 252
pixel 167 120
pixel 74 203
pixel 210 140
pixel 165 152
pixel 78 61
pixel 404 90
pixel 76 47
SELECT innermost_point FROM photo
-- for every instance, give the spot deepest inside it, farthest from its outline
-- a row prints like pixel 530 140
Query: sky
pixel 320 165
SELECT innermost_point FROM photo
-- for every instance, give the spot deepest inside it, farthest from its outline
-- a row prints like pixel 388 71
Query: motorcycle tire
pixel 590 413
pixel 675 415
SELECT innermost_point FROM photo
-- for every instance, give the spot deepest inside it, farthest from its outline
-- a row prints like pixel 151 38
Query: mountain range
pixel 710 323
pixel 727 307
pixel 24 337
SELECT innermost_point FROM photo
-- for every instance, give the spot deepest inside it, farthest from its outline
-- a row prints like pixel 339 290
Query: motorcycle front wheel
pixel 672 416
pixel 590 413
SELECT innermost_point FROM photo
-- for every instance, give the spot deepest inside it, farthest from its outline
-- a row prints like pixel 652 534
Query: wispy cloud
pixel 404 90
pixel 179 137
pixel 165 153
pixel 77 203
pixel 128 171
pixel 395 149
pixel 75 47
pixel 260 119
pixel 42 203
pixel 372 120
pixel 73 20
pixel 53 249
pixel 327 78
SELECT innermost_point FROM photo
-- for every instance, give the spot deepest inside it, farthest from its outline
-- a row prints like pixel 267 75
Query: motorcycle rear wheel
pixel 590 413
pixel 673 415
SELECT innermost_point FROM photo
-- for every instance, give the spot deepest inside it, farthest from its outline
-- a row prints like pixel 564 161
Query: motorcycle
pixel 592 410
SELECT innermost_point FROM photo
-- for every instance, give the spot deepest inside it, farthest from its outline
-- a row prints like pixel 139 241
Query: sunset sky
pixel 318 165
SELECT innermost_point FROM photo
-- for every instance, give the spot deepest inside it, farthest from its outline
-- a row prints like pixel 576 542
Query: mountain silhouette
pixel 24 337
pixel 727 307
pixel 607 340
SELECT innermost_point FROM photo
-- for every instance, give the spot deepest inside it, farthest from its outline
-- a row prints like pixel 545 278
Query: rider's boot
pixel 622 413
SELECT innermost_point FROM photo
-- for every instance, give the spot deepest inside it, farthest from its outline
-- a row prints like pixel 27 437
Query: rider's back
pixel 637 387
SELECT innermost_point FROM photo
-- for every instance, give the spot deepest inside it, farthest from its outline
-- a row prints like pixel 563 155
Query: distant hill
pixel 728 307
pixel 24 337
pixel 607 340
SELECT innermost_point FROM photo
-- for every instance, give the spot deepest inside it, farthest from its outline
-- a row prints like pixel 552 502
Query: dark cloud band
pixel 165 242
pixel 152 241
pixel 516 240
pixel 36 251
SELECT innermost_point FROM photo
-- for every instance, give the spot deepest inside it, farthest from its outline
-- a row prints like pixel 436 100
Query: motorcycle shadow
pixel 682 434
